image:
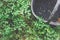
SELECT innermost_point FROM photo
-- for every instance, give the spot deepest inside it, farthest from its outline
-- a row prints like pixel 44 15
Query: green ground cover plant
pixel 16 22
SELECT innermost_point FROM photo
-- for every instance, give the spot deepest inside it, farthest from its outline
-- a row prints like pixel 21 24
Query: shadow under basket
pixel 43 8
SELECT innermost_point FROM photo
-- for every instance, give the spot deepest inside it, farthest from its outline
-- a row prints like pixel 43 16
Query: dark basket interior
pixel 43 8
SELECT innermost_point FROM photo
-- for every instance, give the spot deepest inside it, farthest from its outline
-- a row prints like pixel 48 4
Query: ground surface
pixel 18 23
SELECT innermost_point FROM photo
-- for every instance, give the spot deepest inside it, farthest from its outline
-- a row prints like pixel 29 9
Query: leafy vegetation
pixel 18 23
